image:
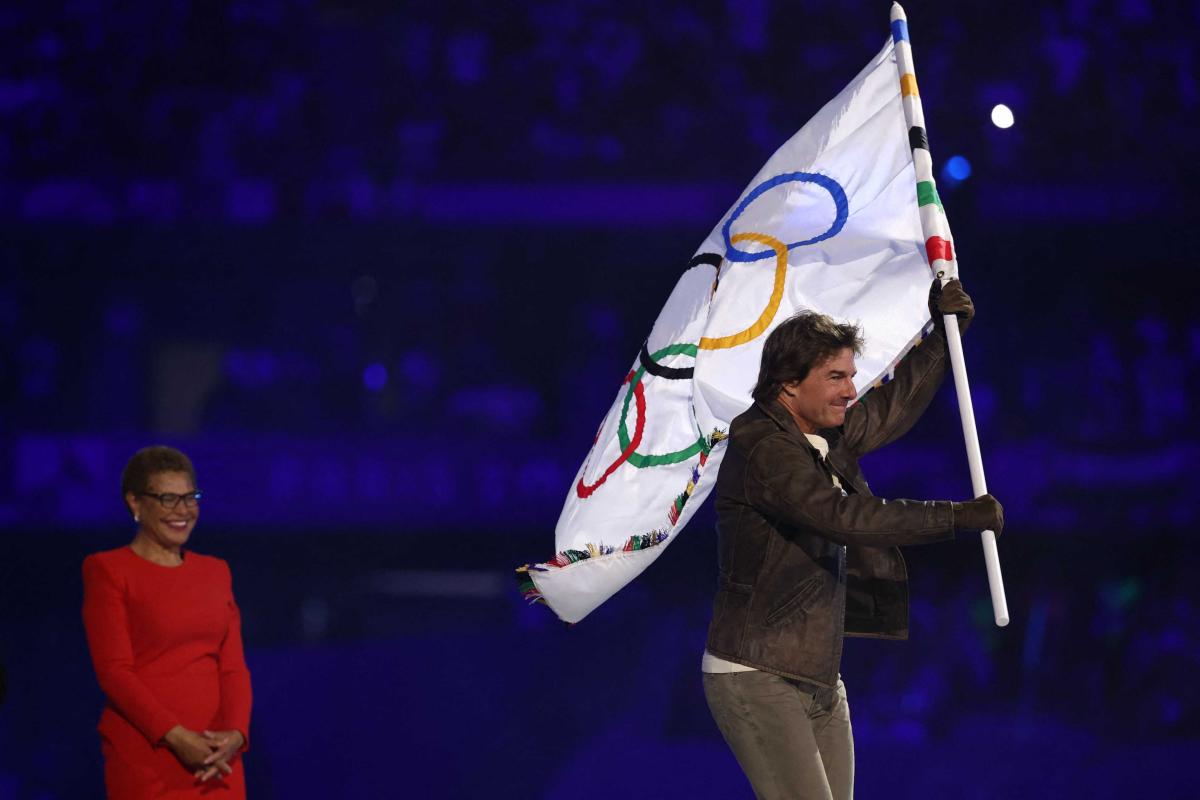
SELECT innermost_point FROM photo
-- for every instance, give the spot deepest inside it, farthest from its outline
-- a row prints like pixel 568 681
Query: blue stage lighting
pixel 375 376
pixel 958 168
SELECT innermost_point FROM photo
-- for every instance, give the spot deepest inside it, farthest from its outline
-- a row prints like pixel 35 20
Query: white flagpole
pixel 939 245
pixel 991 556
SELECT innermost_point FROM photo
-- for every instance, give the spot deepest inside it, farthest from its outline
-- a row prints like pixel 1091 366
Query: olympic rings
pixel 649 362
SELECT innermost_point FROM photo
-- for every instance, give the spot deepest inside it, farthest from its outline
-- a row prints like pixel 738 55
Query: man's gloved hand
pixel 981 514
pixel 951 299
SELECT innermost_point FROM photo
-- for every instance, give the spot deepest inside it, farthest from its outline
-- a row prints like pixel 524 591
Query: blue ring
pixel 836 192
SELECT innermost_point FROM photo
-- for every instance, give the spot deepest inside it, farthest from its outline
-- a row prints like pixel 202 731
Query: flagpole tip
pixel 898 12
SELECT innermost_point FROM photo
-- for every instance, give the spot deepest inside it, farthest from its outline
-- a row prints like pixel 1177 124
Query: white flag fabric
pixel 830 223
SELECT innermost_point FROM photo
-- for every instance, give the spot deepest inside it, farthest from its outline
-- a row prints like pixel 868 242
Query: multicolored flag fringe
pixel 832 222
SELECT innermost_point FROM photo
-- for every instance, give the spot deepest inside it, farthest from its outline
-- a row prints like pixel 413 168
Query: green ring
pixel 640 460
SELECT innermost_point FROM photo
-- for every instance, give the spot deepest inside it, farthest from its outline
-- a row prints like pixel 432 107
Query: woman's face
pixel 169 527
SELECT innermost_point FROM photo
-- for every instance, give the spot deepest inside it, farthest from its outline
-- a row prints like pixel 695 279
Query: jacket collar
pixel 783 418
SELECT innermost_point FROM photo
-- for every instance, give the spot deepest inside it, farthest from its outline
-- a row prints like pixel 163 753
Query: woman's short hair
pixel 801 342
pixel 151 461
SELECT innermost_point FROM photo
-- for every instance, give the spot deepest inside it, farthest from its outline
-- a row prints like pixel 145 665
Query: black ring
pixel 658 370
pixel 712 259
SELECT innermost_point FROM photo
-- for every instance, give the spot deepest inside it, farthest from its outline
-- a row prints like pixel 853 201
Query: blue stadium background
pixel 380 269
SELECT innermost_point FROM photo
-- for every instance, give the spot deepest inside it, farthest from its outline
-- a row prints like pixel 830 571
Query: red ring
pixel 583 490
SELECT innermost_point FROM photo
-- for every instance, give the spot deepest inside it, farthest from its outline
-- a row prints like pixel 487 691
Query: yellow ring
pixel 768 314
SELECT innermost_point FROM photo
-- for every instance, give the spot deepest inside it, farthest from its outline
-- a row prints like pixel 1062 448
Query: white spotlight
pixel 1002 116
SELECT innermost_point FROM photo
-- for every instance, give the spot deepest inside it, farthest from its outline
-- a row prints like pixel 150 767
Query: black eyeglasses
pixel 170 501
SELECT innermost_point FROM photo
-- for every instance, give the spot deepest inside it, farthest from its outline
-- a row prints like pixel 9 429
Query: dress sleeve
pixel 235 677
pixel 106 620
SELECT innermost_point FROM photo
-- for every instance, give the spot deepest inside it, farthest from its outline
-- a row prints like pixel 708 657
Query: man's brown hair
pixel 801 342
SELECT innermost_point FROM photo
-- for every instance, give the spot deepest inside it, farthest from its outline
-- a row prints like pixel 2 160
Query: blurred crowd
pixel 1125 627
pixel 472 349
pixel 258 111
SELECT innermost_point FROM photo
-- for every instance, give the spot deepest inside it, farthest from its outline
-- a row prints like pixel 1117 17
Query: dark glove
pixel 981 514
pixel 951 299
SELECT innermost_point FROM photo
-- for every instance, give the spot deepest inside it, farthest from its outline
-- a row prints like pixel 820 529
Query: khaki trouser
pixel 792 744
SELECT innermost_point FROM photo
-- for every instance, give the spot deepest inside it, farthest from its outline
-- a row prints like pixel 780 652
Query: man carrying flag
pixel 843 222
pixel 844 219
pixel 807 553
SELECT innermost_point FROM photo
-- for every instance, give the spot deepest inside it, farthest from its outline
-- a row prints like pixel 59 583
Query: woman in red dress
pixel 165 638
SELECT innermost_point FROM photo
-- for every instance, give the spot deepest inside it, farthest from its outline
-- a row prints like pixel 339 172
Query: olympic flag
pixel 832 222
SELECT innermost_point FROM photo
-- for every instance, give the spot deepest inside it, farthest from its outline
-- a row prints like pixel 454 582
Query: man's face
pixel 819 401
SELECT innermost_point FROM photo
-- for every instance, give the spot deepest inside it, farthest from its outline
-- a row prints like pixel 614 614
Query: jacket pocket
pixel 795 604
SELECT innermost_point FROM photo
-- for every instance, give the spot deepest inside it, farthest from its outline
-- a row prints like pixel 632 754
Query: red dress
pixel 167 646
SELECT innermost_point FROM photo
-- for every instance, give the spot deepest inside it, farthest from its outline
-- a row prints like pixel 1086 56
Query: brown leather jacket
pixel 801 563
